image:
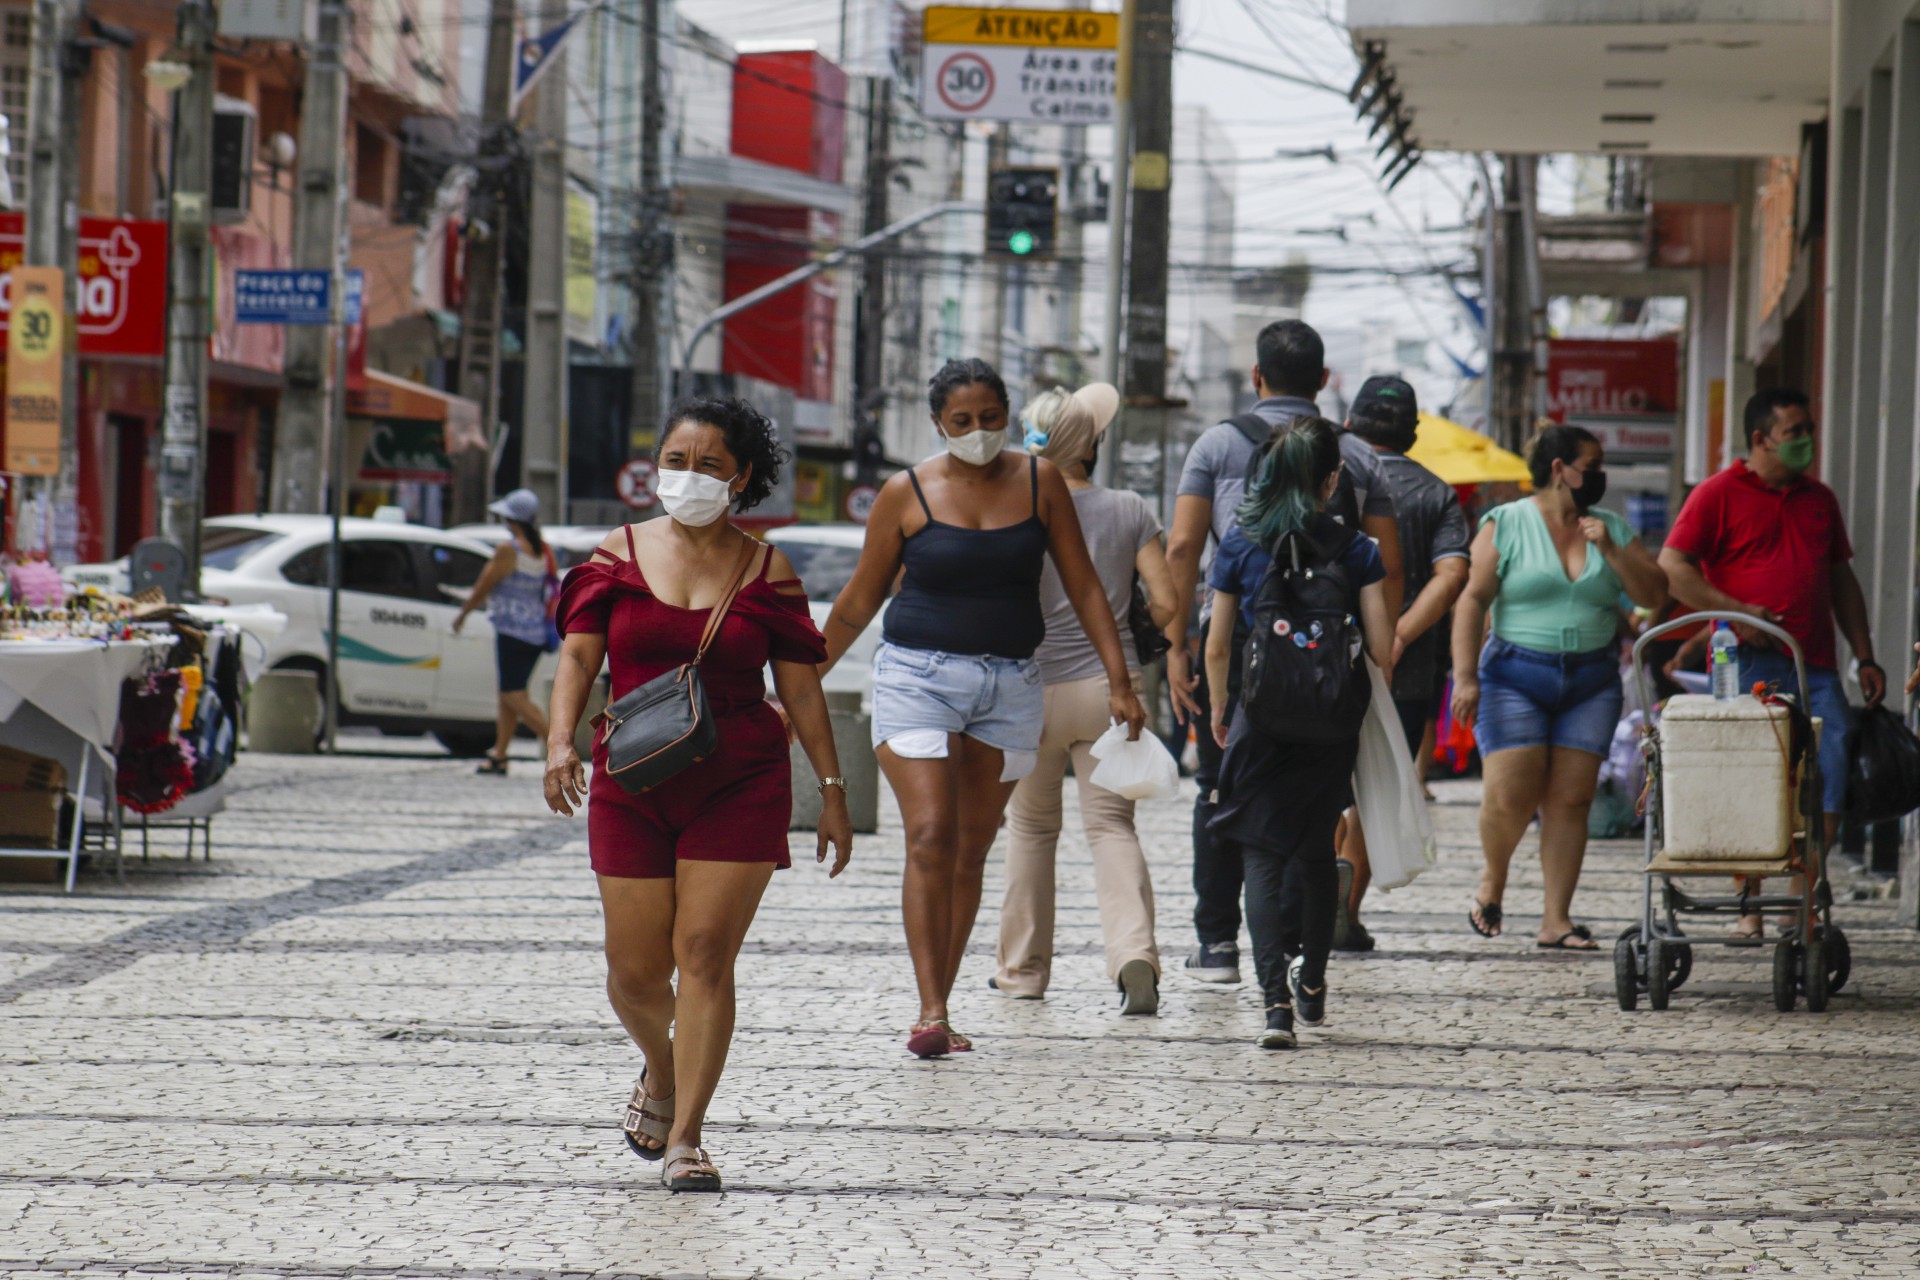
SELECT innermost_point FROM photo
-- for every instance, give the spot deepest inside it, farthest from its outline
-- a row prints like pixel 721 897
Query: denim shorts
pixel 998 701
pixel 1534 699
pixel 1830 704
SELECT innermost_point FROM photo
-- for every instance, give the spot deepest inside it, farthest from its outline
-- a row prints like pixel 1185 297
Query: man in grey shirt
pixel 1291 371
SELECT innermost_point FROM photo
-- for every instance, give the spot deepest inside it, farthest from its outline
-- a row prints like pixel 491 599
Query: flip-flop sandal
pixel 958 1043
pixel 696 1170
pixel 647 1117
pixel 1748 937
pixel 494 765
pixel 1489 912
pixel 1564 941
pixel 930 1040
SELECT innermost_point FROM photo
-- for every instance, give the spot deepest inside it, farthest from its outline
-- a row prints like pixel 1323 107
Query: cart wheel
pixel 1682 954
pixel 1659 972
pixel 1815 976
pixel 1786 981
pixel 1626 979
pixel 1839 958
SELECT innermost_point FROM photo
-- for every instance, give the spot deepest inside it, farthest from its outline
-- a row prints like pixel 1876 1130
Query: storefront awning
pixel 386 396
pixel 407 431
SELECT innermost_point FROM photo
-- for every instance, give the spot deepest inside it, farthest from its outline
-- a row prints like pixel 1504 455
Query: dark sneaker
pixel 1343 921
pixel 1215 962
pixel 1313 1008
pixel 1139 988
pixel 1357 939
pixel 1279 1032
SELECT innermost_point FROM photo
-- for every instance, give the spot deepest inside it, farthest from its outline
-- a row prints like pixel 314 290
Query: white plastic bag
pixel 1143 770
pixel 1400 843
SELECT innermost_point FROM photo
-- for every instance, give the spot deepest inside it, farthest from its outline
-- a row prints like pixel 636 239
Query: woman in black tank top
pixel 957 695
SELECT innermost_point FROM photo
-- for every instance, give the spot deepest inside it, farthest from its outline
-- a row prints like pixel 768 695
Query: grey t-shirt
pixel 1116 524
pixel 1432 528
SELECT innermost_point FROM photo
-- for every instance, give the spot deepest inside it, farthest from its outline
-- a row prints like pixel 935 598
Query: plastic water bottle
pixel 1726 662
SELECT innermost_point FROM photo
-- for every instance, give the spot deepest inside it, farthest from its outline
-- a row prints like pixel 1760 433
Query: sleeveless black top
pixel 972 591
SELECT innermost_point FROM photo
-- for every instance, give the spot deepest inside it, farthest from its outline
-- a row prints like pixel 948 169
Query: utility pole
pixel 652 244
pixel 1119 191
pixel 543 420
pixel 486 253
pixel 1145 388
pixel 999 148
pixel 870 369
pixel 300 457
pixel 189 280
pixel 1512 400
pixel 51 227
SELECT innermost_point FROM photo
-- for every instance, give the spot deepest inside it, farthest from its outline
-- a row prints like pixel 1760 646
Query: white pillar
pixel 1870 276
pixel 1840 438
pixel 1890 589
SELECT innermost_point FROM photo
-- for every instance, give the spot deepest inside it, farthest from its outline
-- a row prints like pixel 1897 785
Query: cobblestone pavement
pixel 369 1039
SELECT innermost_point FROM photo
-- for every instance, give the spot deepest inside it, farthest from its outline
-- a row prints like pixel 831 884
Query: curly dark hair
pixel 955 374
pixel 751 438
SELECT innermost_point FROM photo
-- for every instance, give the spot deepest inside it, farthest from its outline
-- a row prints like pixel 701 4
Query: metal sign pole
pixel 337 498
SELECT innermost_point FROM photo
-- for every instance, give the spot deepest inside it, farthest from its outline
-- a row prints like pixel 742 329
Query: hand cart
pixel 1655 957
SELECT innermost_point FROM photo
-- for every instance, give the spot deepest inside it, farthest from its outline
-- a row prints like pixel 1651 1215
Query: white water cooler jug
pixel 1724 791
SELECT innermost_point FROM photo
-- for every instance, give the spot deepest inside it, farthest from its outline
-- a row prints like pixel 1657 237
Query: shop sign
pixel 1612 379
pixel 1047 66
pixel 36 341
pixel 404 449
pixel 122 292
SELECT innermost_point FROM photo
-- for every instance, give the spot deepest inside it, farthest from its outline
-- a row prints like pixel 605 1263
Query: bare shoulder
pixel 781 575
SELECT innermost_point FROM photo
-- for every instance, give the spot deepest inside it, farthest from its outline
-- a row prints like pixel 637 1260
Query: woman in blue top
pixel 516 587
pixel 1280 802
pixel 1544 693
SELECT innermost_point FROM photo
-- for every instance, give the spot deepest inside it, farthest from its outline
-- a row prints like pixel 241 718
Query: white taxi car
pixel 824 555
pixel 402 669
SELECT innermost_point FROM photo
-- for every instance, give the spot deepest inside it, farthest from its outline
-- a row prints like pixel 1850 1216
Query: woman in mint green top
pixel 1543 692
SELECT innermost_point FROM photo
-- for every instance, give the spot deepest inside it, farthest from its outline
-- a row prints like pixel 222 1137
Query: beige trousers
pixel 1076 715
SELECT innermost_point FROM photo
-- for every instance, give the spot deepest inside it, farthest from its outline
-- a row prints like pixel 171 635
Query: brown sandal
pixel 647 1117
pixel 697 1171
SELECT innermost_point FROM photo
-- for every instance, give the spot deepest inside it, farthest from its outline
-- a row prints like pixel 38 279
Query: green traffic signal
pixel 1020 242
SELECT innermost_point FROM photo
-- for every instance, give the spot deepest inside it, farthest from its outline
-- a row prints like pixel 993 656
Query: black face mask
pixel 1593 487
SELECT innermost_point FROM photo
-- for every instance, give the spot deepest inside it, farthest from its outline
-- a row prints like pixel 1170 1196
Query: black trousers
pixel 1217 873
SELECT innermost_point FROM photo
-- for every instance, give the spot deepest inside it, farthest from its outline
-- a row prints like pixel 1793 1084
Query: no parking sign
pixel 635 484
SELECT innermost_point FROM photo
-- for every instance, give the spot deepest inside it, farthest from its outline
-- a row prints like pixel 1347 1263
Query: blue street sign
pixel 356 295
pixel 281 297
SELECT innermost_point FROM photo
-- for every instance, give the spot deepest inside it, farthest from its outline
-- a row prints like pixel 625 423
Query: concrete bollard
pixel 852 730
pixel 283 710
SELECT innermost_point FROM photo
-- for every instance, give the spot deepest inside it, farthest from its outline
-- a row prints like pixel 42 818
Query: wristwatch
pixel 833 782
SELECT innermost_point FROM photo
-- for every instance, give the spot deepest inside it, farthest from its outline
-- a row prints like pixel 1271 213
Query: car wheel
pixel 466 743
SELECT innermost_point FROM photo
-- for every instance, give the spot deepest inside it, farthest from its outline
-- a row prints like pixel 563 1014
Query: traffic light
pixel 1022 209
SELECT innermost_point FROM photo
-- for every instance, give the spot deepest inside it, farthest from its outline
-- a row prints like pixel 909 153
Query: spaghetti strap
pixel 1033 476
pixel 919 493
pixel 766 563
pixel 633 556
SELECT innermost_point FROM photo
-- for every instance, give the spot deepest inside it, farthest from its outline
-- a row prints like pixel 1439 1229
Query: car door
pixel 465 685
pixel 389 646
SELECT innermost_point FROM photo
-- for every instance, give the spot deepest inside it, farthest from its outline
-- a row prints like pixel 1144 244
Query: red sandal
pixel 930 1039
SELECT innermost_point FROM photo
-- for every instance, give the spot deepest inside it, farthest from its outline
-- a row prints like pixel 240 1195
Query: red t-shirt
pixel 1771 547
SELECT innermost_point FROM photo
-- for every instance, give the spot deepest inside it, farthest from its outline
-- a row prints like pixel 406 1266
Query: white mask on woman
pixel 694 499
pixel 977 448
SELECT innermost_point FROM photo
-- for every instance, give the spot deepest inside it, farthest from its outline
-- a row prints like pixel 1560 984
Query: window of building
pixel 369 166
pixel 16 55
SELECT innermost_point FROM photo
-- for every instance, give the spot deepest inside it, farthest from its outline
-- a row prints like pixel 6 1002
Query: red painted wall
pixel 788 339
pixel 786 111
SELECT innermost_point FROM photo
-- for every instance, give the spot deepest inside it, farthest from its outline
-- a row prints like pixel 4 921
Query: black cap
pixel 1388 401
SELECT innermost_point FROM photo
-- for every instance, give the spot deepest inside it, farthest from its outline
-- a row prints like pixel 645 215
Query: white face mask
pixel 694 499
pixel 977 448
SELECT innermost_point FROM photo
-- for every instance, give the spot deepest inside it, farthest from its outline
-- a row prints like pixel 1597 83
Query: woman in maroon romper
pixel 682 867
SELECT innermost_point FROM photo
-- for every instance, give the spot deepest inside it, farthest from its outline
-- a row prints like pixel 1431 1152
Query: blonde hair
pixel 1038 417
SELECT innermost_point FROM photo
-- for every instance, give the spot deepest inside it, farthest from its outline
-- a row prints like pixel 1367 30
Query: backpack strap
pixel 1251 425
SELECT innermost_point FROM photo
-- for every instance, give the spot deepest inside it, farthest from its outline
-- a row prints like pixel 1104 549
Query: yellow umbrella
pixel 1461 455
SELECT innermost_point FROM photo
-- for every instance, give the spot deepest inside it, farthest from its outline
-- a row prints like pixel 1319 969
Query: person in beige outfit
pixel 1123 537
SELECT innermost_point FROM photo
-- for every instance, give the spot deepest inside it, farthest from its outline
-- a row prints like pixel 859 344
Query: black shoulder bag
pixel 665 725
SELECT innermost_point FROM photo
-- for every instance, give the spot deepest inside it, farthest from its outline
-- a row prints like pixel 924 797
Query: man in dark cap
pixel 1434 541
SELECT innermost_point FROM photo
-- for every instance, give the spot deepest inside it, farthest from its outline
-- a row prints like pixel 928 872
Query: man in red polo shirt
pixel 1764 538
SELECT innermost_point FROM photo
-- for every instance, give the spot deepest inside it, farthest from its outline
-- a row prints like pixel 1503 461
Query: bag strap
pixel 719 614
pixel 1251 425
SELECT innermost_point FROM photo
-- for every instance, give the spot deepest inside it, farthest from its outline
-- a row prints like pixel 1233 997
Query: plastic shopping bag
pixel 1143 770
pixel 1400 842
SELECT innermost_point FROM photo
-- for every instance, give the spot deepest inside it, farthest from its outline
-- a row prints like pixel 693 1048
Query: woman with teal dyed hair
pixel 1280 802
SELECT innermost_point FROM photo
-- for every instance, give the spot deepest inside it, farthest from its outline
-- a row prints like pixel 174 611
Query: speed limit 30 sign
pixel 1050 66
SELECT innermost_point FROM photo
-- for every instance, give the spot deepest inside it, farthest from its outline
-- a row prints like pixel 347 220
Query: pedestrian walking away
pixel 1123 540
pixel 1433 545
pixel 1543 693
pixel 682 868
pixel 1291 369
pixel 1281 793
pixel 518 588
pixel 1766 539
pixel 958 705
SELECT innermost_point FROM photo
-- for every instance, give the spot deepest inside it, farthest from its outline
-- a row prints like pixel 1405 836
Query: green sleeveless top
pixel 1539 607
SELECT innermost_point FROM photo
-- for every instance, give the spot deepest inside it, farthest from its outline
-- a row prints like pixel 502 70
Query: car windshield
pixel 823 567
pixel 224 547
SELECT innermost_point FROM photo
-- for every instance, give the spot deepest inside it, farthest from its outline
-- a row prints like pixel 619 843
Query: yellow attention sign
pixel 36 339
pixel 1029 28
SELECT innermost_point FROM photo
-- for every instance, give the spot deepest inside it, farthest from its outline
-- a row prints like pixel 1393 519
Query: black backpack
pixel 1303 681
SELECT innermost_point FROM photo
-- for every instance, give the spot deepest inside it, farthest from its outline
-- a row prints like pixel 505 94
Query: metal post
pixel 1152 87
pixel 300 429
pixel 189 280
pixel 51 227
pixel 543 422
pixel 1118 192
pixel 486 252
pixel 870 376
pixel 652 243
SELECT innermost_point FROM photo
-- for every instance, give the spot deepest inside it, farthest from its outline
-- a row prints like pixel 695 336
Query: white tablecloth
pixel 75 682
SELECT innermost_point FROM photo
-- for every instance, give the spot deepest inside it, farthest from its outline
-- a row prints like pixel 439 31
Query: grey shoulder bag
pixel 659 729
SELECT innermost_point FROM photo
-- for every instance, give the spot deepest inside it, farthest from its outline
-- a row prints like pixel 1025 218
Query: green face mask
pixel 1797 455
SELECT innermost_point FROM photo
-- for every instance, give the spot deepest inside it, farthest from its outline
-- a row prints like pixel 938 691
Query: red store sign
pixel 1591 378
pixel 123 283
